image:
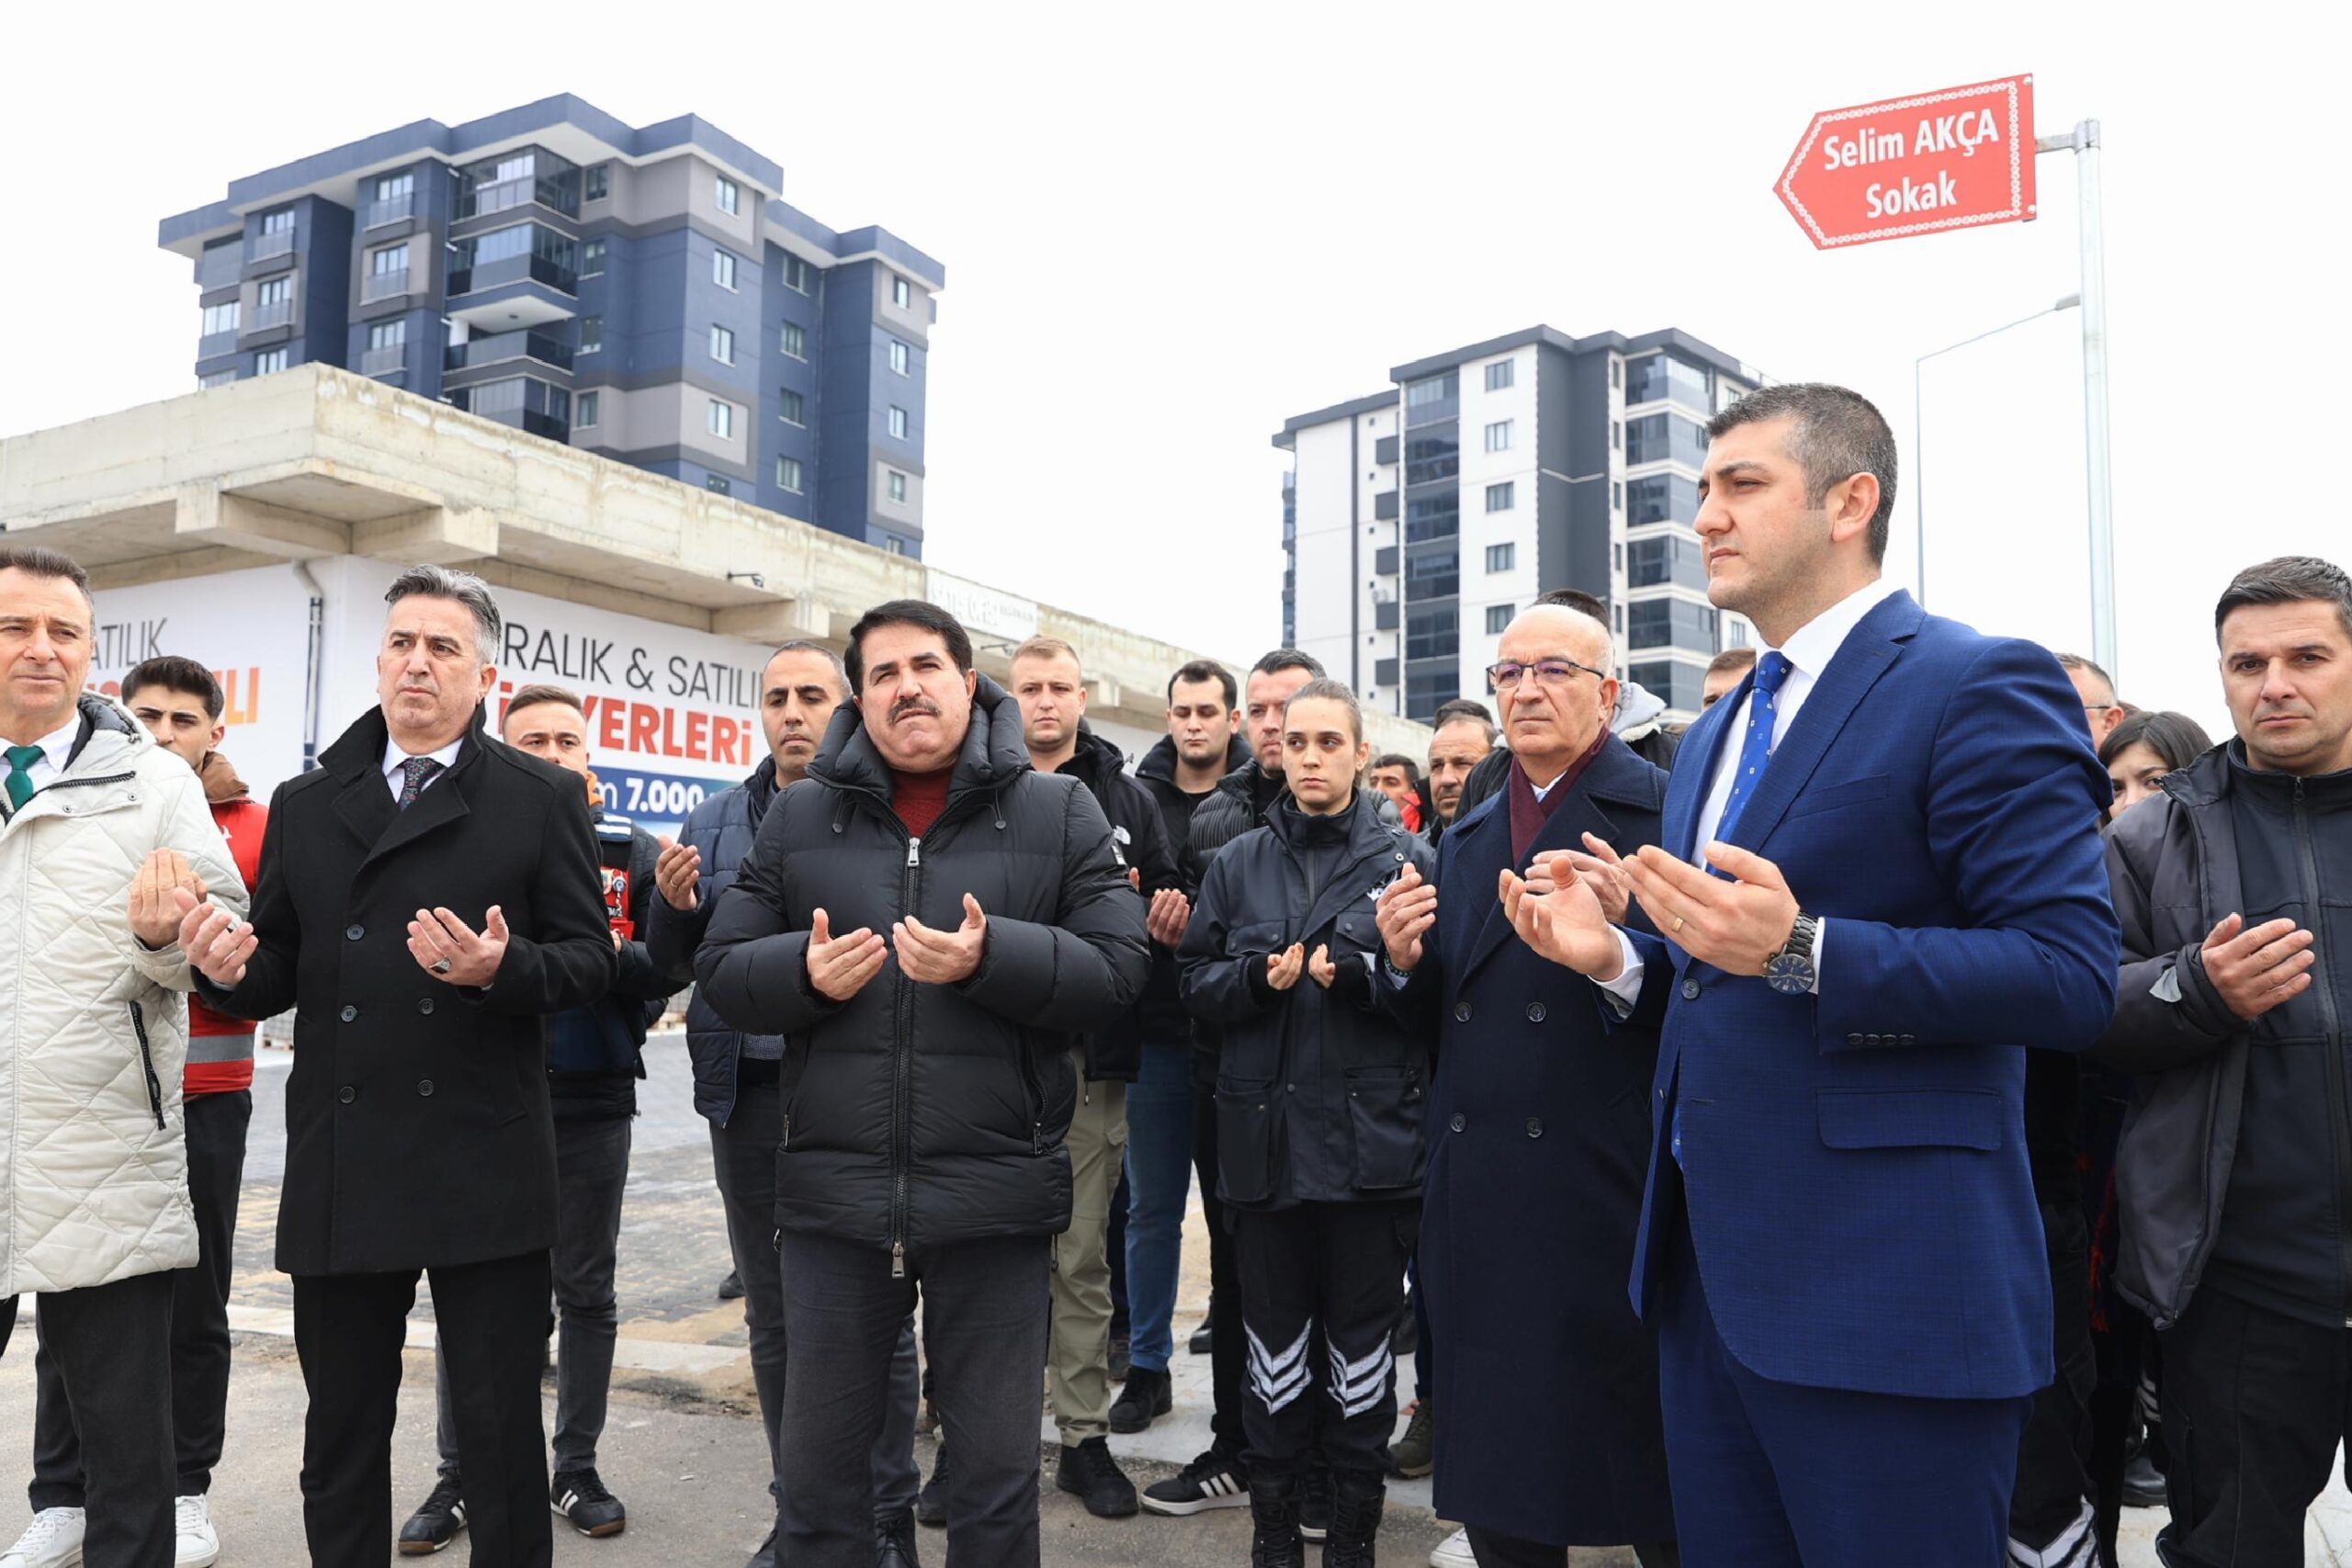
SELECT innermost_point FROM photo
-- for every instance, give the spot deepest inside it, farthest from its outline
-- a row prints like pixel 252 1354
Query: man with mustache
pixel 738 1075
pixel 926 921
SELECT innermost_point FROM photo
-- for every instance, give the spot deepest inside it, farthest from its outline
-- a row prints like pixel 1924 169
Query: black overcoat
pixel 417 1125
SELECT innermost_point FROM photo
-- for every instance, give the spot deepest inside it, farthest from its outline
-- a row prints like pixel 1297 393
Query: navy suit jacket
pixel 1853 1167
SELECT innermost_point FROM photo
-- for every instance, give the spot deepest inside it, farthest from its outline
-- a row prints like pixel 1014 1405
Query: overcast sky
pixel 1167 229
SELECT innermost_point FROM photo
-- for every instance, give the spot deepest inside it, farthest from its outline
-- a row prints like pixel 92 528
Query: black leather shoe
pixel 1091 1473
pixel 580 1496
pixel 1273 1511
pixel 435 1523
pixel 1357 1499
pixel 1200 1343
pixel 730 1288
pixel 894 1543
pixel 1147 1396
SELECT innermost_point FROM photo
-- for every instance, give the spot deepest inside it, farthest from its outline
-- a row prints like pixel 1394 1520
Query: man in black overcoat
pixel 428 897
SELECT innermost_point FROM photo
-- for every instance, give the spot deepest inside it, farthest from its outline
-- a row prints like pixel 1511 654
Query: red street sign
pixel 1934 161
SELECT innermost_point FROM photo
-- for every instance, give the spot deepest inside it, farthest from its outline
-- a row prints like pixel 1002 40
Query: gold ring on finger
pixel 1678 925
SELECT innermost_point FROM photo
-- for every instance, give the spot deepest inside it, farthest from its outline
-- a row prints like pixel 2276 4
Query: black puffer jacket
pixel 1320 1092
pixel 917 1114
pixel 1115 1053
pixel 1161 1012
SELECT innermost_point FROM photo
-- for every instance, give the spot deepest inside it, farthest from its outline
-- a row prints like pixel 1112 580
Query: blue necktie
pixel 1754 751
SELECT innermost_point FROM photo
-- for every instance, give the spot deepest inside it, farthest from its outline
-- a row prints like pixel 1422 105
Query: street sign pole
pixel 2083 142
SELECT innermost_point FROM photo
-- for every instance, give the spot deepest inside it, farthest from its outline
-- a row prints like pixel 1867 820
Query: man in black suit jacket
pixel 428 897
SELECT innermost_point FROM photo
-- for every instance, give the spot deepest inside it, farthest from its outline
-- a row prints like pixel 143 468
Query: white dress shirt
pixel 56 748
pixel 395 761
pixel 1809 650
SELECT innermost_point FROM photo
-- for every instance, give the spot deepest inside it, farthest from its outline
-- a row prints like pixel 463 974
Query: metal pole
pixel 2097 467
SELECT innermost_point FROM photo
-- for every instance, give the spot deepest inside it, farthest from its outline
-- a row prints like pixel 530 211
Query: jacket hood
pixel 114 734
pixel 1159 762
pixel 1639 711
pixel 1098 761
pixel 221 784
pixel 995 749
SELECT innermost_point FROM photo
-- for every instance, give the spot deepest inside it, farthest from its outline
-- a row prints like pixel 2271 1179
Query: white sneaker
pixel 53 1540
pixel 1455 1551
pixel 198 1545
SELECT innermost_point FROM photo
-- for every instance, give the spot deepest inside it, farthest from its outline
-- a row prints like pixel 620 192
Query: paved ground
pixel 684 1446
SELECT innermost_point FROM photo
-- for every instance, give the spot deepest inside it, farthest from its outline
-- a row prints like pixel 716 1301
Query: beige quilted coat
pixel 92 1027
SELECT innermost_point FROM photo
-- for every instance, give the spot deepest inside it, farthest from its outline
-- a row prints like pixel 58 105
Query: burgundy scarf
pixel 1528 814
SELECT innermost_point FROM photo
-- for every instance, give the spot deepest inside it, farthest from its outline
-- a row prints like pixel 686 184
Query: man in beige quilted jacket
pixel 98 826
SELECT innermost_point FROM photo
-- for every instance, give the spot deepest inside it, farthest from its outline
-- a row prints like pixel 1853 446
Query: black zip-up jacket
pixel 1161 1013
pixel 921 1114
pixel 1115 1053
pixel 593 1051
pixel 724 1059
pixel 2236 1155
pixel 1320 1092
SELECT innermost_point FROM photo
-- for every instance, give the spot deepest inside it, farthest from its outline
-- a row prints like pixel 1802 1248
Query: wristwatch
pixel 1791 971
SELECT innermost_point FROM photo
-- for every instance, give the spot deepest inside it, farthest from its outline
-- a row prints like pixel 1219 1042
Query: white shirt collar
pixel 1813 645
pixel 394 757
pixel 59 743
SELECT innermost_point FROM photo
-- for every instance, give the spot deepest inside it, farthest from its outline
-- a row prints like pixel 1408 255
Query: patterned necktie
pixel 20 778
pixel 1756 747
pixel 418 769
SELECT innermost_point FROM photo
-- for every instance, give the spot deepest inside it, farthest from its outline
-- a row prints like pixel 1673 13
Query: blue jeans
pixel 1160 1178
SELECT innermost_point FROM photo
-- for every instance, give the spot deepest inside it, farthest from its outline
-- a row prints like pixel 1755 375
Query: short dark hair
pixel 1462 707
pixel 532 697
pixel 1201 670
pixel 1731 658
pixel 1284 659
pixel 431 581
pixel 1398 760
pixel 175 673
pixel 1464 715
pixel 37 560
pixel 1323 689
pixel 1838 434
pixel 803 645
pixel 2077 662
pixel 2176 738
pixel 2288 580
pixel 906 612
pixel 1576 599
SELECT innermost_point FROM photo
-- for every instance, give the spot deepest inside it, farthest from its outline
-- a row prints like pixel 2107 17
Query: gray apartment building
pixel 644 293
pixel 1418 520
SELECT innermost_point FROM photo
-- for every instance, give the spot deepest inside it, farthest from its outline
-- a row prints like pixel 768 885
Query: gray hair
pixel 2072 661
pixel 2288 580
pixel 1837 435
pixel 441 583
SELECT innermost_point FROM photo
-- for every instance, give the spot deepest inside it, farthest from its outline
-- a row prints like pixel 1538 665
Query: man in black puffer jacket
pixel 928 923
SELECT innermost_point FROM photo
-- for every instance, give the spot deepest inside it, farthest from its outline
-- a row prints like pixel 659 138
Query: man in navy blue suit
pixel 1878 879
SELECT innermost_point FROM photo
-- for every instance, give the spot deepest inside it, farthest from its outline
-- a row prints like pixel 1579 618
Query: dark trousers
pixel 216 1167
pixel 2254 1404
pixel 2050 1513
pixel 113 1346
pixel 1782 1475
pixel 592 1171
pixel 1226 1352
pixel 491 1320
pixel 985 1308
pixel 742 1155
pixel 1424 1342
pixel 1339 1267
pixel 1494 1551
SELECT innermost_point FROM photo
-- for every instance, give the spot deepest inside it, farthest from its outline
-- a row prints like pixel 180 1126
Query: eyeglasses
pixel 1506 677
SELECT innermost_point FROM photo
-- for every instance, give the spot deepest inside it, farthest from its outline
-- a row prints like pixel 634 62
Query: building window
pixel 586 409
pixel 1667 437
pixel 898 423
pixel 902 294
pixel 277 291
pixel 1661 498
pixel 1499 496
pixel 217 378
pixel 219 319
pixel 387 335
pixel 597 182
pixel 892 545
pixel 1436 389
pixel 1616 435
pixel 721 420
pixel 1677 623
pixel 1616 496
pixel 716 484
pixel 391 259
pixel 269 363
pixel 1434 576
pixel 591 335
pixel 1617 556
pixel 1616 380
pixel 722 344
pixel 279 222
pixel 1661 377
pixel 592 257
pixel 1501 558
pixel 789 476
pixel 792 407
pixel 793 340
pixel 1498 436
pixel 1498 378
pixel 796 274
pixel 1432 634
pixel 392 187
pixel 898 484
pixel 900 357
pixel 728 195
pixel 722 269
pixel 1499 619
pixel 1668 557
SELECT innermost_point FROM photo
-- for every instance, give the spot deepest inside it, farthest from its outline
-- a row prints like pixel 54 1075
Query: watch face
pixel 1789 974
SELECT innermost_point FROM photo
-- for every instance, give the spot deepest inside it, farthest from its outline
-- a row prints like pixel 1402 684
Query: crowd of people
pixel 1900 1118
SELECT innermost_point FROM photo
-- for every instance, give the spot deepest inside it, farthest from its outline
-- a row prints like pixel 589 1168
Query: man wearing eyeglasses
pixel 1551 1436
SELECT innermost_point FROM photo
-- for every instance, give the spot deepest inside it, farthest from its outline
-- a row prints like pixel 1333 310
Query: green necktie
pixel 20 777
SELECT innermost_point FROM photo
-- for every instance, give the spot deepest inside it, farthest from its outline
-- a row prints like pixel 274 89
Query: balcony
pixel 391 209
pixel 261 247
pixel 383 285
pixel 271 313
pixel 384 361
pixel 507 194
pixel 514 269
pixel 545 347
